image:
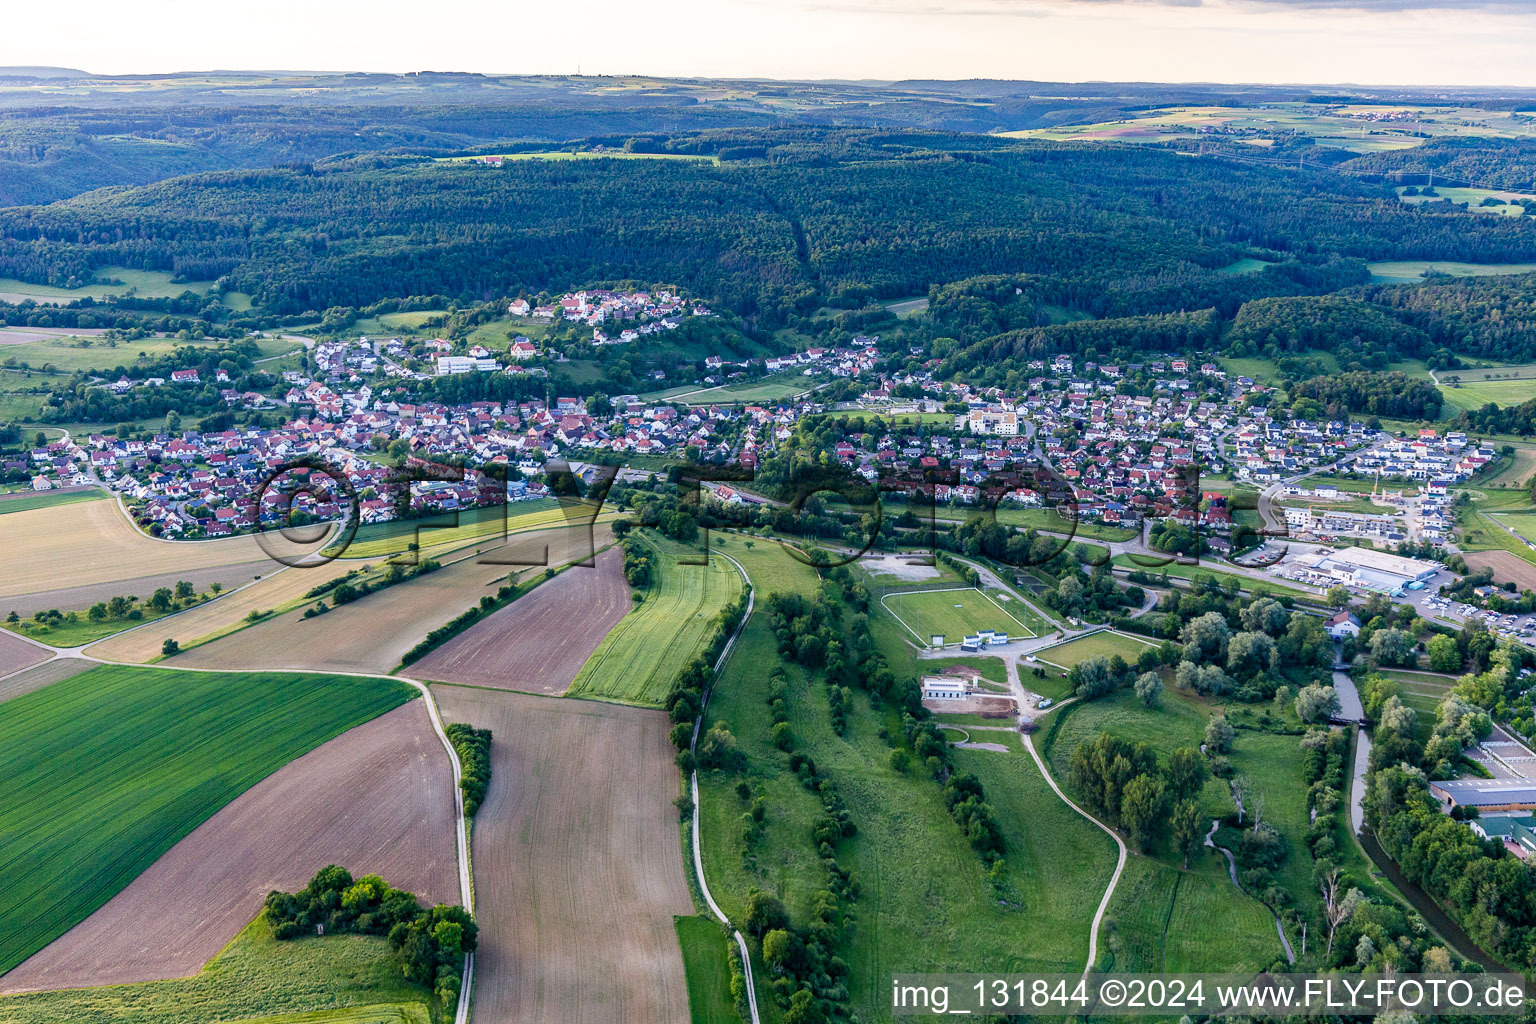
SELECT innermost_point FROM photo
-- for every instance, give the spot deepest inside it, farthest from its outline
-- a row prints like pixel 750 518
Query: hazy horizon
pixel 1373 43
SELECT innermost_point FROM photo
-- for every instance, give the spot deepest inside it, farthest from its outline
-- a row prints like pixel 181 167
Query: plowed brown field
pixel 377 799
pixel 1506 566
pixel 370 634
pixel 39 676
pixel 578 863
pixel 540 641
pixel 93 543
pixel 17 654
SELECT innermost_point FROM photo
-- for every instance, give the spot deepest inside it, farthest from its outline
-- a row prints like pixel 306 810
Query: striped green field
pixel 706 961
pixel 102 773
pixel 638 659
pixel 46 499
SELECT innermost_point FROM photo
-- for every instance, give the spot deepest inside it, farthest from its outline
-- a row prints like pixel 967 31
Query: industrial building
pixel 1486 794
pixel 1365 568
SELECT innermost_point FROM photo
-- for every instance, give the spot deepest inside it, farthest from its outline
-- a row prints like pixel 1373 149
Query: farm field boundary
pixel 639 657
pixel 99 747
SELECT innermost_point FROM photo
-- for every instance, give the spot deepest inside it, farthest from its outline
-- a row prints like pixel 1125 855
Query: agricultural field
pixel 339 979
pixel 1414 271
pixel 378 799
pixel 1104 643
pixel 486 525
pixel 277 592
pixel 40 675
pixel 92 544
pixel 578 863
pixel 539 641
pixel 1512 471
pixel 644 652
pixel 115 744
pixel 581 154
pixel 954 613
pixel 26 501
pixel 1476 394
pixel 68 354
pixel 1472 198
pixel 228 577
pixel 147 284
pixel 16 654
pixel 1478 373
pixel 1335 126
pixel 367 635
pixel 1506 565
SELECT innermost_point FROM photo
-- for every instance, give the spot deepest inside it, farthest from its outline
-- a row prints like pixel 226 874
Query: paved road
pixel 693 782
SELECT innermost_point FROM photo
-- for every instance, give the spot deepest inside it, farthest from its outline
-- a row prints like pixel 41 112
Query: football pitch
pixel 954 613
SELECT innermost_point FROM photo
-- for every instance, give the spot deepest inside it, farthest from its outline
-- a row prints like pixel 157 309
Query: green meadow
pixel 339 979
pixel 926 903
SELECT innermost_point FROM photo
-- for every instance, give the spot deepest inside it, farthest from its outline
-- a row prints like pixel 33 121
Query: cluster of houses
pixel 1126 456
pixel 616 317
pixel 194 484
pixel 1127 442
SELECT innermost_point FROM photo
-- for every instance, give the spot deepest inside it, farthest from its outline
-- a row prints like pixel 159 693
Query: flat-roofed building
pixel 1486 794
pixel 943 688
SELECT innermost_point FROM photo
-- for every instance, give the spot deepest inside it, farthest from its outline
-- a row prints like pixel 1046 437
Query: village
pixel 1168 439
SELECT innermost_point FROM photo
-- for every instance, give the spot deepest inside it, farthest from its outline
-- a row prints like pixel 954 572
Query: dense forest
pixel 1487 163
pixel 820 216
pixel 1395 395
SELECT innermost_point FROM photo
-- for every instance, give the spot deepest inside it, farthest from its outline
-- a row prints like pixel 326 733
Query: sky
pixel 1371 42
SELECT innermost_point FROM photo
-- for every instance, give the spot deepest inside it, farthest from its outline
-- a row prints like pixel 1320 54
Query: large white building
pixel 943 688
pixel 1004 422
pixel 1366 568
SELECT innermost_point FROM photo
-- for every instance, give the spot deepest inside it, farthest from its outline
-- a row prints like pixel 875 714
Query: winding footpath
pixel 693 784
pixel 1114 879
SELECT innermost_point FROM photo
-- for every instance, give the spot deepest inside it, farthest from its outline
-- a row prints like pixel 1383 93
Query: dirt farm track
pixel 378 799
pixel 540 641
pixel 578 863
